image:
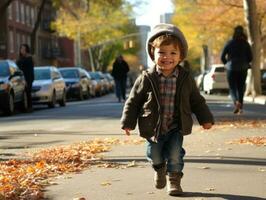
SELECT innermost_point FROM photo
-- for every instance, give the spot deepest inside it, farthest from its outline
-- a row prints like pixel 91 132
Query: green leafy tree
pixel 93 24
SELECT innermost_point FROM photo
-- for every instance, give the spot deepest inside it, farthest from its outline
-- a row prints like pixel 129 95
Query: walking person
pixel 162 101
pixel 237 56
pixel 119 72
pixel 25 64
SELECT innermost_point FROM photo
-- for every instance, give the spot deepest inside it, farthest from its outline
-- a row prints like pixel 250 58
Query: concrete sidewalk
pixel 214 169
pixel 258 99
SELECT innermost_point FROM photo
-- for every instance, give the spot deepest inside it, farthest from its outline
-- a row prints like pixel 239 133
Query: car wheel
pixel 62 102
pixel 209 92
pixel 24 104
pixel 87 94
pixel 10 106
pixel 52 103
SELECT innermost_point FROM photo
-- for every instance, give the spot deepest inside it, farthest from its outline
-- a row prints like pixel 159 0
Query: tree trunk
pixel 4 5
pixel 36 26
pixel 205 58
pixel 255 38
pixel 91 60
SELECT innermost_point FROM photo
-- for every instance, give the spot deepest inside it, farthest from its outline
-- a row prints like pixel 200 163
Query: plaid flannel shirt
pixel 167 87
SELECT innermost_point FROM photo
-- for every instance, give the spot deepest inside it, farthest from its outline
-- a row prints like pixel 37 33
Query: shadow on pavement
pixel 30 145
pixel 195 159
pixel 223 196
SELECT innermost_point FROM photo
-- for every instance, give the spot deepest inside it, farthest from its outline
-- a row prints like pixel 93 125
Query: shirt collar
pixel 174 73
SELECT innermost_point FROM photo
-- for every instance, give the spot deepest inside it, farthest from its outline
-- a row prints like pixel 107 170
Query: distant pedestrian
pixel 237 56
pixel 162 101
pixel 119 72
pixel 25 63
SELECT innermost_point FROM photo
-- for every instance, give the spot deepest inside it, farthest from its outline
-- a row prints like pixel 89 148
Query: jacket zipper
pixel 158 124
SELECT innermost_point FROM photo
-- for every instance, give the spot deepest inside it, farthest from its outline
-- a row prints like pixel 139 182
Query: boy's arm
pixel 132 106
pixel 200 108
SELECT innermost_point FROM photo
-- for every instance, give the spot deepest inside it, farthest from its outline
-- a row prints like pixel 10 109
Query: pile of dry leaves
pixel 258 141
pixel 26 179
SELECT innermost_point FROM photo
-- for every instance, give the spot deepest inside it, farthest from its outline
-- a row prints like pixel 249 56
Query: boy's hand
pixel 207 125
pixel 127 131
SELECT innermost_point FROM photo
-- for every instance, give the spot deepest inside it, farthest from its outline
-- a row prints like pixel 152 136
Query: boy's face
pixel 166 57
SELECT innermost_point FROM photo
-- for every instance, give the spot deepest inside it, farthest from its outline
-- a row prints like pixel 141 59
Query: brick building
pixel 16 27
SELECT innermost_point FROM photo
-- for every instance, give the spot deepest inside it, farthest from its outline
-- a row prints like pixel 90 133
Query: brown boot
pixel 173 185
pixel 238 108
pixel 160 176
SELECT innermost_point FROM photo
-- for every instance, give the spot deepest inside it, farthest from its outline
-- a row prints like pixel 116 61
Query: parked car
pixel 215 79
pixel 99 90
pixel 104 81
pixel 48 87
pixel 199 80
pixel 77 82
pixel 92 85
pixel 111 82
pixel 263 81
pixel 12 87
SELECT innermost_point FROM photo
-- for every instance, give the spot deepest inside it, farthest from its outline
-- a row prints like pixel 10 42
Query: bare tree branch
pixel 36 26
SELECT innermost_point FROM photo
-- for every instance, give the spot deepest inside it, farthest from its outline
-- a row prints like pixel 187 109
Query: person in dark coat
pixel 237 56
pixel 119 72
pixel 25 64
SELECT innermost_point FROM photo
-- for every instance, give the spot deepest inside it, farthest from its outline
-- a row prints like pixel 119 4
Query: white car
pixel 215 79
pixel 48 87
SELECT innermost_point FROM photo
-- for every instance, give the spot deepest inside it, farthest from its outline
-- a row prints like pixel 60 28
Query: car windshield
pixel 69 73
pixel 4 69
pixel 95 75
pixel 42 74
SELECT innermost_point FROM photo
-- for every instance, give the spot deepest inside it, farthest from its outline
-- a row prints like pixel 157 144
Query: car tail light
pixel 213 77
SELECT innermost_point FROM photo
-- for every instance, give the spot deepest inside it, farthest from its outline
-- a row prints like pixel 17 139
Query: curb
pixel 258 99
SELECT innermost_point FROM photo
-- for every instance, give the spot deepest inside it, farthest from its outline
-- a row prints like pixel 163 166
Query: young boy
pixel 162 101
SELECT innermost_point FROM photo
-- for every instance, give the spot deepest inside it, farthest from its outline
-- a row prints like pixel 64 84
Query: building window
pixel 22 12
pixel 32 16
pixel 27 11
pixel 18 41
pixel 10 11
pixel 11 41
pixel 17 11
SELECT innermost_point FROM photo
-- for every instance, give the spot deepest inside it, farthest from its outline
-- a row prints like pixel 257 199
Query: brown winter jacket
pixel 143 105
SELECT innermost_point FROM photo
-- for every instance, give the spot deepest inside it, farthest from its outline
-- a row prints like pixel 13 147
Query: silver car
pixel 48 87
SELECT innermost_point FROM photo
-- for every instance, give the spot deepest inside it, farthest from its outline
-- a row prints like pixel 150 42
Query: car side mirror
pixel 16 73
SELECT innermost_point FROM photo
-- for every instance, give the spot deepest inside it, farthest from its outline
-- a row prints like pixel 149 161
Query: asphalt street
pixel 214 168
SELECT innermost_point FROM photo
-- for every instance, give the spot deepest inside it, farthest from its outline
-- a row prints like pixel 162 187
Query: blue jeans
pixel 237 84
pixel 168 149
pixel 120 88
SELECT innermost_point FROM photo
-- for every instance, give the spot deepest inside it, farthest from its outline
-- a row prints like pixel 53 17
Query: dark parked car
pixel 263 81
pixel 12 87
pixel 77 82
pixel 99 89
pixel 111 81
